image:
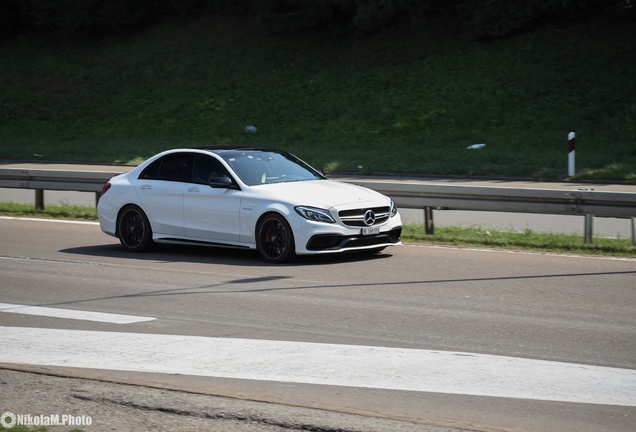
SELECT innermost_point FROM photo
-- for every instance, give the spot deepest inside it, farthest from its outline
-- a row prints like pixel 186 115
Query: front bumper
pixel 338 242
pixel 320 238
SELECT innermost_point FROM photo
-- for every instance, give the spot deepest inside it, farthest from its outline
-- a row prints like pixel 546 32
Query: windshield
pixel 256 167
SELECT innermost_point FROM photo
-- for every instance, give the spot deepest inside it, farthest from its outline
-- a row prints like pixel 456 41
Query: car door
pixel 211 214
pixel 160 188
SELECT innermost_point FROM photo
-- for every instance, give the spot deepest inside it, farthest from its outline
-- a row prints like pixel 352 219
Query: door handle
pixel 145 187
pixel 193 189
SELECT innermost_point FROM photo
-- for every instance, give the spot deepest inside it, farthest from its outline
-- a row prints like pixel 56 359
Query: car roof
pixel 222 149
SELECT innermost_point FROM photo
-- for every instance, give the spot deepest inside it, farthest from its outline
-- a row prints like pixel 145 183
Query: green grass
pixel 72 212
pixel 413 233
pixel 520 240
pixel 400 102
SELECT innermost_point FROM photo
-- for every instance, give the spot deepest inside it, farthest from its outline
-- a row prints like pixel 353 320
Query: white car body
pixel 185 211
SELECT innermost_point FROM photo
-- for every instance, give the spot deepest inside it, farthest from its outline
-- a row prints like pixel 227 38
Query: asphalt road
pixel 578 310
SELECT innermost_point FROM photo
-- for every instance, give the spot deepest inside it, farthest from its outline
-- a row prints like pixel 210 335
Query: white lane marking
pixel 326 364
pixel 50 220
pixel 72 314
pixel 51 260
pixel 520 252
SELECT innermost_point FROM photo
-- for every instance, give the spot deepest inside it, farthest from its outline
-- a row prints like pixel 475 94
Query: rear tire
pixel 133 229
pixel 275 239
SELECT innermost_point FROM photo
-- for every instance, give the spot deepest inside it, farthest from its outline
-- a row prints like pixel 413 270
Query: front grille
pixel 355 218
pixel 337 242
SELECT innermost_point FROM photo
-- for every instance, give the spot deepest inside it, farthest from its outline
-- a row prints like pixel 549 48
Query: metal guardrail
pixel 587 203
pixel 82 181
pixel 41 180
pixel 505 199
pixel 406 194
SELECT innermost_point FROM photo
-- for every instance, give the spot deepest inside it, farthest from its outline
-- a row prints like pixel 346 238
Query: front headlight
pixel 314 214
pixel 393 209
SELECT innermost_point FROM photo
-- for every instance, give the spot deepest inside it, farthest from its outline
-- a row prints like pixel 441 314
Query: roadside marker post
pixel 571 154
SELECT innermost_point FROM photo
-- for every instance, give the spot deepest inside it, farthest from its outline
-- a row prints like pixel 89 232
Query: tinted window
pixel 173 167
pixel 205 169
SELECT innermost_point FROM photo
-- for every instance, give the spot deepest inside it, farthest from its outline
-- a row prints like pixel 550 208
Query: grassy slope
pixel 399 102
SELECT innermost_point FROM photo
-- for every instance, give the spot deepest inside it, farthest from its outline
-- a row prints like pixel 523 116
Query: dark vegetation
pixel 484 18
pixel 348 85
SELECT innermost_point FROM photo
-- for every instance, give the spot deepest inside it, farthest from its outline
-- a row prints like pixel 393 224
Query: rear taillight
pixel 105 188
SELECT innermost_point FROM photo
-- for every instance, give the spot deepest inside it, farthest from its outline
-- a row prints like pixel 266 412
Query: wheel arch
pixel 268 212
pixel 263 219
pixel 275 208
pixel 121 210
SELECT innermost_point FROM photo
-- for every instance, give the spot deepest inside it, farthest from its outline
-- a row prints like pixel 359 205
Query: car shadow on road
pixel 220 256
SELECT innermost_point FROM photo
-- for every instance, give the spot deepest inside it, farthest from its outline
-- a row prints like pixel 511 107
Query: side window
pixel 152 171
pixel 206 168
pixel 173 167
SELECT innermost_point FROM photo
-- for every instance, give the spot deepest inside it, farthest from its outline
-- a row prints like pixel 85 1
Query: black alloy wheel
pixel 274 239
pixel 133 228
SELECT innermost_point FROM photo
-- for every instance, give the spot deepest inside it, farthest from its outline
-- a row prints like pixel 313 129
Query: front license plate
pixel 370 230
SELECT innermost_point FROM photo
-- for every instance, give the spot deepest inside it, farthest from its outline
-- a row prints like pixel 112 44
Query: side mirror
pixel 221 182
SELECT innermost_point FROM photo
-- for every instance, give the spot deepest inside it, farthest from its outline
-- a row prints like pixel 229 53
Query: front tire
pixel 133 229
pixel 275 239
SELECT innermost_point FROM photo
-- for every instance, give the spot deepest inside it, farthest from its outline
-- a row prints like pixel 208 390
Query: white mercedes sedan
pixel 253 198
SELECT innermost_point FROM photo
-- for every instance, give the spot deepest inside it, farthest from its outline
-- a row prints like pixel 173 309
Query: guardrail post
pixel 39 199
pixel 589 227
pixel 429 224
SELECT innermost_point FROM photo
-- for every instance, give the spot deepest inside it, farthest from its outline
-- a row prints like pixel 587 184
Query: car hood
pixel 322 194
